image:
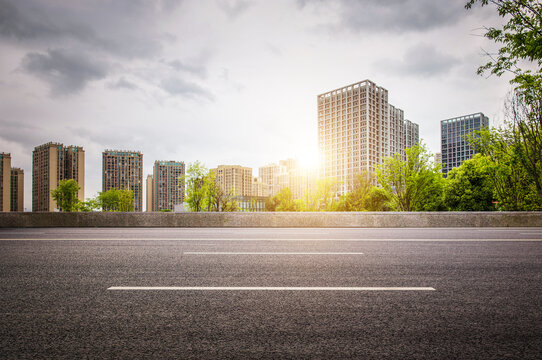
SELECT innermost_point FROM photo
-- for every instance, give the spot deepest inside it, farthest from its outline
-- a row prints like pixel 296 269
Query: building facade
pixel 17 189
pixel 149 194
pixel 357 129
pixel 124 170
pixel 5 181
pixel 234 179
pixel 259 188
pixel 167 185
pixel 454 145
pixel 51 163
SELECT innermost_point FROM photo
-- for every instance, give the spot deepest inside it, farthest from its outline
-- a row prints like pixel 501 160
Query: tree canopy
pixel 65 195
pixel 520 39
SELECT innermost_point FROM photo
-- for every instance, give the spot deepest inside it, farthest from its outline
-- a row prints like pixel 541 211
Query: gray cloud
pixel 420 60
pixel 233 8
pixel 176 86
pixel 393 15
pixel 65 72
pixel 37 25
pixel 199 70
pixel 28 135
pixel 122 83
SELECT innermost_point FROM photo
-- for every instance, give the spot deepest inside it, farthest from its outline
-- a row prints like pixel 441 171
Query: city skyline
pixel 227 82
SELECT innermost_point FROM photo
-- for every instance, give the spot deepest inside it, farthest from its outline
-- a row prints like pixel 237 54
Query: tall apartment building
pixel 357 129
pixel 259 188
pixel 235 179
pixel 412 134
pixel 266 175
pixel 123 169
pixel 51 163
pixel 148 206
pixel 167 185
pixel 454 146
pixel 5 181
pixel 17 189
pixel 276 175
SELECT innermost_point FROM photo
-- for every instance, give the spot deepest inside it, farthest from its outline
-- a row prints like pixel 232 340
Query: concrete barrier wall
pixel 274 219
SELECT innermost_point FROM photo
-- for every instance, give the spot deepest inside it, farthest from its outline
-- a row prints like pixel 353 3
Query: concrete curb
pixel 274 219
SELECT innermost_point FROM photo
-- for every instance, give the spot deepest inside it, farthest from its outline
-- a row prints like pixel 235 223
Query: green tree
pixel 469 187
pixel 520 39
pixel 197 186
pixel 521 44
pixel 414 184
pixel 378 200
pixel 126 200
pixel 513 187
pixel 358 198
pixel 283 201
pixel 65 195
pixel 90 204
pixel 117 200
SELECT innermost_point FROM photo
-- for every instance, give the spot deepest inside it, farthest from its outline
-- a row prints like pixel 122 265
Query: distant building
pixel 17 189
pixel 251 203
pixel 259 188
pixel 5 181
pixel 266 174
pixel 357 129
pixel 51 163
pixel 167 185
pixel 148 205
pixel 288 174
pixel 438 158
pixel 412 134
pixel 123 169
pixel 234 179
pixel 454 146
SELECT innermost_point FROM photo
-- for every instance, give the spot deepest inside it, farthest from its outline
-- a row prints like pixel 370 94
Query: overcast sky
pixel 227 82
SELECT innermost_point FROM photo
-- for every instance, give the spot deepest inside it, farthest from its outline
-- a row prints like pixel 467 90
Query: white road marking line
pixel 267 253
pixel 265 288
pixel 273 239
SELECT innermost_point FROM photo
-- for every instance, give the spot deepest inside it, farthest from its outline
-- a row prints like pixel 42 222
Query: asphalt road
pixel 57 301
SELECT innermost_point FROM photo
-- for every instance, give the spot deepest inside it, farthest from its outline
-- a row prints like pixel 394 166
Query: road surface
pixel 271 293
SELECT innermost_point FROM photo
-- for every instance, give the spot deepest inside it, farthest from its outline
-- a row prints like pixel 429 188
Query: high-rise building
pixel 357 129
pixel 234 179
pixel 259 188
pixel 17 189
pixel 5 181
pixel 51 163
pixel 454 145
pixel 412 134
pixel 167 185
pixel 266 174
pixel 149 196
pixel 124 170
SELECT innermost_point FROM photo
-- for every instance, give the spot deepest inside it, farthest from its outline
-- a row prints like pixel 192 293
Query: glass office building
pixel 454 145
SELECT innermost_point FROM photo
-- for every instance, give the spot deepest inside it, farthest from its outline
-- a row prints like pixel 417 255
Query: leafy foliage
pixel 469 187
pixel 65 195
pixel 283 201
pixel 117 200
pixel 414 184
pixel 521 40
pixel 512 185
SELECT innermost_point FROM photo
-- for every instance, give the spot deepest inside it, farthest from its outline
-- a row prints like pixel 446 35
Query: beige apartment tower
pixel 234 179
pixel 357 129
pixel 148 205
pixel 123 169
pixel 5 181
pixel 17 189
pixel 51 163
pixel 167 185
